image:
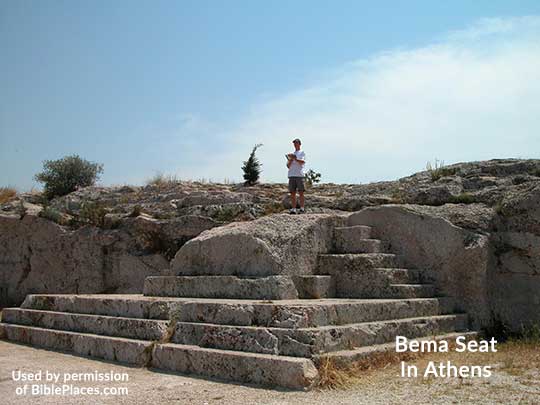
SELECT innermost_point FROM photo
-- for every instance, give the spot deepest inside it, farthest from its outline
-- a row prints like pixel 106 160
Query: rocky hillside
pixel 477 187
pixel 107 239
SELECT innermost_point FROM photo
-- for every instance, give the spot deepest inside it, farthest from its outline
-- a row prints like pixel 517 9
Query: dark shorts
pixel 296 184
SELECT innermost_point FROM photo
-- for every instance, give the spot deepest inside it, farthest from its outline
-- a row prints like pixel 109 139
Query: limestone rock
pixel 214 198
pixel 278 244
pixel 515 273
pixel 39 256
pixel 457 259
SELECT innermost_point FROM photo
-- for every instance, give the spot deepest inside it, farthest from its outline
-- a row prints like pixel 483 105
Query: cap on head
pixel 297 141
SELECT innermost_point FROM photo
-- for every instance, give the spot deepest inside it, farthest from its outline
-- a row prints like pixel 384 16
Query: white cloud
pixel 473 95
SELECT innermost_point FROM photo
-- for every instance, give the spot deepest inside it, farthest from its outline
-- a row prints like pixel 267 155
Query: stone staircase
pixel 271 331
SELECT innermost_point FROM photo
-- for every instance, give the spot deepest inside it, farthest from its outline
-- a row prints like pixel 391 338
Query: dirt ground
pixel 515 380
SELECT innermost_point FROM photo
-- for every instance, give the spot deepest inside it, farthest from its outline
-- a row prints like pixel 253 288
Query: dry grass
pixel 518 358
pixel 6 194
pixel 273 208
pixel 438 170
pixel 163 180
pixel 333 376
pixel 167 180
pixel 169 332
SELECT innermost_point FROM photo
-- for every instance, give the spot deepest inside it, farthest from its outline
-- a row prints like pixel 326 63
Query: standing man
pixel 295 164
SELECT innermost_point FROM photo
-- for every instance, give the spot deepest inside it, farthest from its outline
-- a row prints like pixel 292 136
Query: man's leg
pixel 293 200
pixel 301 189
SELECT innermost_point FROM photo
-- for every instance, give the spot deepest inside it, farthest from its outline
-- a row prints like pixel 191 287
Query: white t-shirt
pixel 296 169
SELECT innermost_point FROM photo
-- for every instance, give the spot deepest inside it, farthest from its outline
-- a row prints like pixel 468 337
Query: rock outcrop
pixel 493 204
pixel 515 268
pixel 40 256
pixel 274 245
pixel 456 259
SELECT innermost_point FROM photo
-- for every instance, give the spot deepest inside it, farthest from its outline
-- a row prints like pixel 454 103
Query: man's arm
pixel 290 158
pixel 302 159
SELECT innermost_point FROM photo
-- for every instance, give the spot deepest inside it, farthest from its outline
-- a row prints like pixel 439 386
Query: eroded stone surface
pixel 270 288
pixel 274 245
pixel 252 368
pixel 457 259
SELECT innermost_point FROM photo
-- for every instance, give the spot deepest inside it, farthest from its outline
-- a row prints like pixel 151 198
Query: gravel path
pixel 509 386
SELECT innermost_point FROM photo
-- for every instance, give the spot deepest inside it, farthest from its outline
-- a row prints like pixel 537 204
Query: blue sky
pixel 374 89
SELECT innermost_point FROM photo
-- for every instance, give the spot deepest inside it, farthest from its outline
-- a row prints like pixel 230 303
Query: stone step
pixel 132 328
pixel 254 368
pixel 306 342
pixel 411 291
pixel 313 313
pixel 315 287
pixel 344 358
pixel 360 246
pixel 380 276
pixel 271 288
pixel 125 305
pixel 287 314
pixel 375 283
pixel 332 264
pixel 361 289
pixel 348 235
pixel 400 276
pixel 119 349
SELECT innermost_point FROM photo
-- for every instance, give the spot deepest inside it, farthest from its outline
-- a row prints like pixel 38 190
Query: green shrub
pixel 62 176
pixel 54 215
pixel 517 180
pixel 252 168
pixel 312 177
pixel 530 333
pixel 92 213
pixel 225 214
pixel 463 198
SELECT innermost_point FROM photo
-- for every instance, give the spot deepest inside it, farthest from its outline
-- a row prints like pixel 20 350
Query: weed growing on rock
pixel 399 196
pixel 225 214
pixel 92 213
pixel 135 212
pixel 6 194
pixel 501 209
pixel 438 170
pixel 163 180
pixel 535 172
pixel 154 242
pixel 273 208
pixel 53 215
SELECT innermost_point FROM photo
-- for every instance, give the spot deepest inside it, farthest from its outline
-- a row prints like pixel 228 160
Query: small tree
pixel 65 175
pixel 312 177
pixel 252 168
